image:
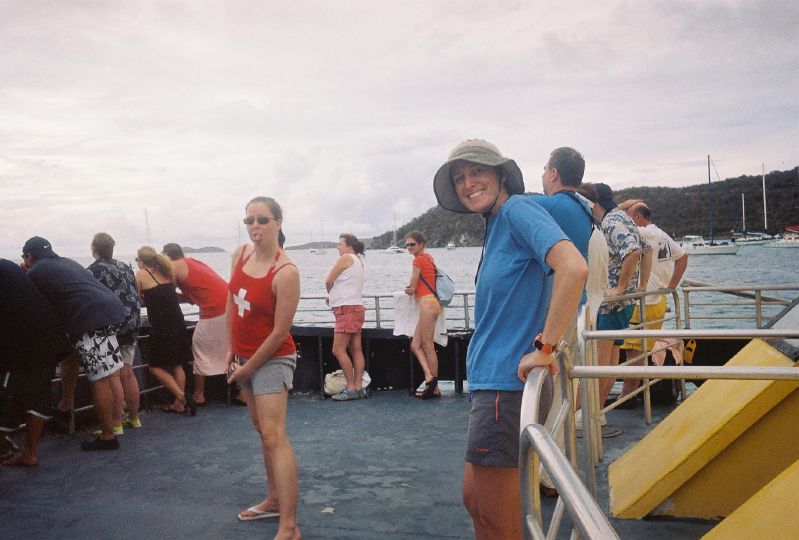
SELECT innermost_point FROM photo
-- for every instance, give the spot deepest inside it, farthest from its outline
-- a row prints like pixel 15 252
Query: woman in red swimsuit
pixel 264 292
pixel 423 290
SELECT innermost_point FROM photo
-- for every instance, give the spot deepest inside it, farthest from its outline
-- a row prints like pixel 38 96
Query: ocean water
pixel 387 273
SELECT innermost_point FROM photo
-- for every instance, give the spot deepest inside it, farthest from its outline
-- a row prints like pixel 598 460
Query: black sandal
pixel 429 390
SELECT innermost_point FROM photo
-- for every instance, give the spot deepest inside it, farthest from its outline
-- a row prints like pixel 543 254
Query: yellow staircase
pixel 771 513
pixel 716 450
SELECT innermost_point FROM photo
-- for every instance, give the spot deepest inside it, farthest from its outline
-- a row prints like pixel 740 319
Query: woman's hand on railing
pixel 537 359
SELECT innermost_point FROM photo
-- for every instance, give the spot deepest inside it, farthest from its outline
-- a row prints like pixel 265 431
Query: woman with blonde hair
pixel 422 286
pixel 168 345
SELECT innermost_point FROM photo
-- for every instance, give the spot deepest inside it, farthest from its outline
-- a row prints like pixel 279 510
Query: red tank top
pixel 205 288
pixel 254 311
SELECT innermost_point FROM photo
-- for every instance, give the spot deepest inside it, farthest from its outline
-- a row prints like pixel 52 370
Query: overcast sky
pixel 343 110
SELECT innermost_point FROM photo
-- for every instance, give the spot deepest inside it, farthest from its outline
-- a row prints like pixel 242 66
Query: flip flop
pixel 259 514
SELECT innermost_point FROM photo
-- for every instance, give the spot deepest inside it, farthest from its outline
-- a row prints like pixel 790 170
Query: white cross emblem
pixel 239 300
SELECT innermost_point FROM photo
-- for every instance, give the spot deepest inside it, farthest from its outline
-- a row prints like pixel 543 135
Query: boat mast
pixel 147 226
pixel 765 215
pixel 710 198
pixel 743 214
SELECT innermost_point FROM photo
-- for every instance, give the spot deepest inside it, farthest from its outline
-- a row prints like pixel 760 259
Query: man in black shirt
pixel 31 342
pixel 90 312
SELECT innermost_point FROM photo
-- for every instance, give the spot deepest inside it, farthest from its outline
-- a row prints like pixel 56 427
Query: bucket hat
pixel 476 151
pixel 38 247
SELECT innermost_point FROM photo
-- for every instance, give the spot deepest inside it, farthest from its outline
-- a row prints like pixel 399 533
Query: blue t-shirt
pixel 511 296
pixel 572 213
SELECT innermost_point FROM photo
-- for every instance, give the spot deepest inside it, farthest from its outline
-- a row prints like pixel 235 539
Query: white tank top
pixel 348 288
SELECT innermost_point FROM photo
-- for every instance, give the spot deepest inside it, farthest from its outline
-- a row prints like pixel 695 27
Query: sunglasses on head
pixel 262 220
pixel 410 244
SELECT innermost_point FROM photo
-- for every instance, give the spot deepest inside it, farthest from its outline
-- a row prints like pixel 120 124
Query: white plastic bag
pixel 336 382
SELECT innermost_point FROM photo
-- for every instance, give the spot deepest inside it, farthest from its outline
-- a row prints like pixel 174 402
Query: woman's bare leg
pixel 341 342
pixel 358 361
pixel 426 327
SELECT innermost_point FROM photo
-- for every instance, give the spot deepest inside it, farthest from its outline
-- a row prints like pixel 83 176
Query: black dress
pixel 168 345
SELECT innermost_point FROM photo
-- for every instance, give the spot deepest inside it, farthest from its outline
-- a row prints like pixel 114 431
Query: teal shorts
pixel 616 320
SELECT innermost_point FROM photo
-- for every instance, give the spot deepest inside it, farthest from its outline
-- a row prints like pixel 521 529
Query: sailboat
pixel 695 244
pixel 393 249
pixel 321 249
pixel 748 238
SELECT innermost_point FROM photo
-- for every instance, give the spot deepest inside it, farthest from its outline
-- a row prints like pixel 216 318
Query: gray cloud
pixel 343 112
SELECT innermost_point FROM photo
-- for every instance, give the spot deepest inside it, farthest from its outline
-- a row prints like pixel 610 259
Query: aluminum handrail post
pixel 687 309
pixel 677 324
pixel 531 402
pixel 758 308
pixel 377 312
pixel 466 319
pixel 590 452
pixel 586 515
pixel 645 352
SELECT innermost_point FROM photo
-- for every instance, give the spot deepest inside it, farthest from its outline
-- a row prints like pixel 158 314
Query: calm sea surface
pixel 387 273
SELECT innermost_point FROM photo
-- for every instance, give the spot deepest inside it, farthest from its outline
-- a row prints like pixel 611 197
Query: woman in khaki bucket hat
pixel 517 321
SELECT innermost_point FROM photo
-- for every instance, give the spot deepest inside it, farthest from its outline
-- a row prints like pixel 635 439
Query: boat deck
pixel 389 467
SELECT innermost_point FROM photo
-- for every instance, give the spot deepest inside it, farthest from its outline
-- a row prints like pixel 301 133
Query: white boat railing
pixel 312 311
pixel 748 301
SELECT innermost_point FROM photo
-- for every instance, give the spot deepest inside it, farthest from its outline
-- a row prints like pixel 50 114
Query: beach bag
pixel 336 382
pixel 444 289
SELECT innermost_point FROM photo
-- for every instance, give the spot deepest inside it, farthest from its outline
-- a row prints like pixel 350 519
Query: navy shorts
pixel 493 436
pixel 616 320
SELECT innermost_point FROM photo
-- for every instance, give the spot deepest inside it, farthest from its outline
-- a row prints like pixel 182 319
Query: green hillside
pixel 678 211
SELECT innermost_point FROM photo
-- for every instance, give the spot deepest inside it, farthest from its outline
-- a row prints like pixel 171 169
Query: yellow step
pixel 770 513
pixel 715 450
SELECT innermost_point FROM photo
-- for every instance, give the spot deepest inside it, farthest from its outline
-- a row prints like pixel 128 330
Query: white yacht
pixel 696 245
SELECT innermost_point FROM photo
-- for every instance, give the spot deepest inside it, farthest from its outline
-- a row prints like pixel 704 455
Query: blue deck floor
pixel 388 467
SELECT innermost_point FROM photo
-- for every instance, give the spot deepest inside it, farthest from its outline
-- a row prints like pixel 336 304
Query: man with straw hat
pixel 517 326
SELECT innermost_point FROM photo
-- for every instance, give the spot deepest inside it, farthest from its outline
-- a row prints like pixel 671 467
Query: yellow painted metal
pixel 760 454
pixel 770 513
pixel 646 477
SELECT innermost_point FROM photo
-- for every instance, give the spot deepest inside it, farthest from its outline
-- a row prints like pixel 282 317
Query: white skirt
pixel 208 346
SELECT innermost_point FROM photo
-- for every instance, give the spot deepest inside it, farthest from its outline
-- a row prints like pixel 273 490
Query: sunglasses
pixel 262 220
pixel 410 244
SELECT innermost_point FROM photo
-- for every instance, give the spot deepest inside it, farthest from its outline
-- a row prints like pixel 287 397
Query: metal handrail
pixel 560 422
pixel 755 293
pixel 688 372
pixel 586 514
pixel 771 333
pixel 458 312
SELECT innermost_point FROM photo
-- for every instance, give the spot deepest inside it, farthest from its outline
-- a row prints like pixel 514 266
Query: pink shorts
pixel 349 319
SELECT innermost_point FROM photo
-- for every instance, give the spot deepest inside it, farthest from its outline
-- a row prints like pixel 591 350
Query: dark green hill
pixel 678 211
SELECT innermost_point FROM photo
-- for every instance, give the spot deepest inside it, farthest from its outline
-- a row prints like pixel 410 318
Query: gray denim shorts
pixel 492 439
pixel 273 375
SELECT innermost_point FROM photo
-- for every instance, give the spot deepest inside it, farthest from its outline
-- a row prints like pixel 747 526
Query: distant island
pixel 315 245
pixel 678 210
pixel 207 249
